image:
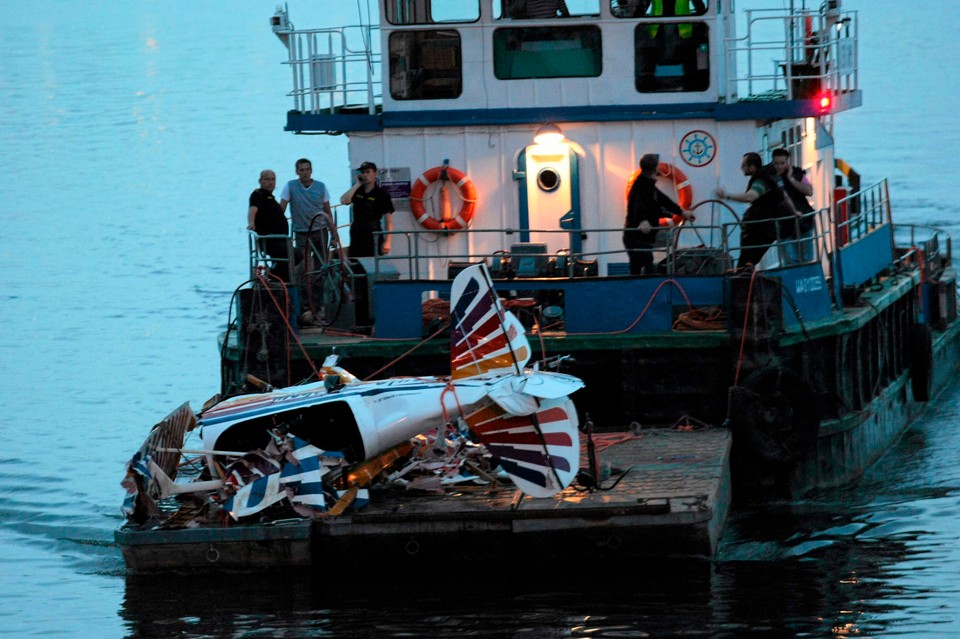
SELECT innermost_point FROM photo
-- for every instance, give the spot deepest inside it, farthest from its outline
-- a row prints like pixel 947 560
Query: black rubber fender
pixel 921 361
pixel 774 415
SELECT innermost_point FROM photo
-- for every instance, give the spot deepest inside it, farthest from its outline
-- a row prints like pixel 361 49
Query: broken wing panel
pixel 161 449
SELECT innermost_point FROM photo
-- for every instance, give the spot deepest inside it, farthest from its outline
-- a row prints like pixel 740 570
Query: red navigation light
pixel 825 102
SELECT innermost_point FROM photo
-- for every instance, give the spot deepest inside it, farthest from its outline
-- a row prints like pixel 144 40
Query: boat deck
pixel 672 502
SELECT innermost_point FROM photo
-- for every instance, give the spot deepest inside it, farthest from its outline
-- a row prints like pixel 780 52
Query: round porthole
pixel 548 179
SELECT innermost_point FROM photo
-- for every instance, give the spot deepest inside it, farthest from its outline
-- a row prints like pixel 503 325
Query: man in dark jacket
pixel 758 230
pixel 646 204
pixel 796 231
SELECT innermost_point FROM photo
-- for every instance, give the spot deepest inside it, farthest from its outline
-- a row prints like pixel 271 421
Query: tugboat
pixel 512 141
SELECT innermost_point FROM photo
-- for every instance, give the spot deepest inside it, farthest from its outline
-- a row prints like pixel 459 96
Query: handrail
pixel 335 67
pixel 723 242
pixel 338 67
pixel 822 61
pixel 860 212
pixel 849 220
pixel 258 256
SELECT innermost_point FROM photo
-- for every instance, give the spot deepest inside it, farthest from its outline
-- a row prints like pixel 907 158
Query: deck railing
pixel 696 249
pixel 339 69
pixel 335 68
pixel 690 249
pixel 794 55
pixel 861 212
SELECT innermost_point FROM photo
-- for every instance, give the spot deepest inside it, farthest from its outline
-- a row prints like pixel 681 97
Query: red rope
pixel 286 320
pixel 443 407
pixel 603 441
pixel 392 362
pixel 653 296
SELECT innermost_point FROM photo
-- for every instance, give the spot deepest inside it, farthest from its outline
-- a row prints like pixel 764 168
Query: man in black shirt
pixel 371 204
pixel 758 230
pixel 265 217
pixel 646 204
pixel 796 232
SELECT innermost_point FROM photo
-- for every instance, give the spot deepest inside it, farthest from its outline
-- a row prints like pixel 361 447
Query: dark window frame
pixel 430 73
pixel 391 16
pixel 630 10
pixel 667 62
pixel 544 48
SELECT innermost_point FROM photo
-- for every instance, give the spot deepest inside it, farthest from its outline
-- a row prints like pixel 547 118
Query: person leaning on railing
pixel 265 217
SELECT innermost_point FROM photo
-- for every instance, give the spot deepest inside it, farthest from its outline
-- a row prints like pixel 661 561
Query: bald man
pixel 265 217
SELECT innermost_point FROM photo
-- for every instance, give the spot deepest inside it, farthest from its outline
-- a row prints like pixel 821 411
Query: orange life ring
pixel 680 183
pixel 468 194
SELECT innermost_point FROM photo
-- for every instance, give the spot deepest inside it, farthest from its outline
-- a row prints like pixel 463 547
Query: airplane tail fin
pixel 540 451
pixel 484 338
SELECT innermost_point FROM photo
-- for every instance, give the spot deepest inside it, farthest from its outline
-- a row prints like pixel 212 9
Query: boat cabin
pixel 513 139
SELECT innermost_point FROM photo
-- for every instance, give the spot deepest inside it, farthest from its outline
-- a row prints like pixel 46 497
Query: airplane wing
pixel 484 339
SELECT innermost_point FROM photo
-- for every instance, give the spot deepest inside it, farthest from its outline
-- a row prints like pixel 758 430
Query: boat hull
pixel 273 546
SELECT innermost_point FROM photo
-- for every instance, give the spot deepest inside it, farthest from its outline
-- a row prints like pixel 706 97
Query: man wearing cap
pixel 646 204
pixel 371 204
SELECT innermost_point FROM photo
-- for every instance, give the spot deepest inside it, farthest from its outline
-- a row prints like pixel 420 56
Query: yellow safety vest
pixel 681 8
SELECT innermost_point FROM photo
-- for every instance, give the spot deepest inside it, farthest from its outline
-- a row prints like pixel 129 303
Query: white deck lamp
pixel 548 134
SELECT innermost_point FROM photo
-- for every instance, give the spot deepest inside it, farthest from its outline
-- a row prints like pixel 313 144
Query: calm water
pixel 132 133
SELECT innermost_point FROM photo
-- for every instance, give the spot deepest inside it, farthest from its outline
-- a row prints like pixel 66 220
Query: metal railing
pixel 261 254
pixel 334 68
pixel 672 255
pixel 860 212
pixel 339 67
pixel 689 249
pixel 794 55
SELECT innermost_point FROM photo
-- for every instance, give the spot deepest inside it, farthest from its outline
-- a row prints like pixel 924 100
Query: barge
pixel 512 142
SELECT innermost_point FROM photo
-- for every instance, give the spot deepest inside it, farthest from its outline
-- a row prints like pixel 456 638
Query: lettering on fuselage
pixel 392 396
pixel 808 284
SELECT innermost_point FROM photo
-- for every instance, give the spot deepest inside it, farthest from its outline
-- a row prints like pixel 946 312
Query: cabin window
pixel 519 10
pixel 425 65
pixel 657 8
pixel 431 12
pixel 540 52
pixel 672 56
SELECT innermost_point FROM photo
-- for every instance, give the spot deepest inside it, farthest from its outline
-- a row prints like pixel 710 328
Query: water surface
pixel 132 134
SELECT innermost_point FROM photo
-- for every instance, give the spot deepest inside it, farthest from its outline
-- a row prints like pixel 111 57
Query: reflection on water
pixel 133 134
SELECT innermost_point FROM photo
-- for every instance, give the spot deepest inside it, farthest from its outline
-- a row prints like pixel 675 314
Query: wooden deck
pixel 672 501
